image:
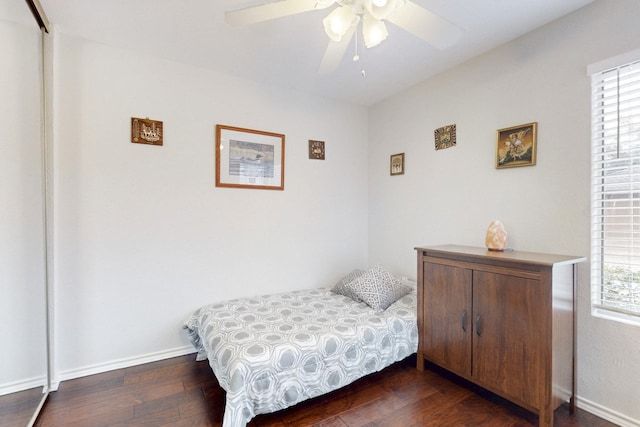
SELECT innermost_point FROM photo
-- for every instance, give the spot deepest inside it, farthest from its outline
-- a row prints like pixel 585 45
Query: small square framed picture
pixel 516 146
pixel 445 137
pixel 397 164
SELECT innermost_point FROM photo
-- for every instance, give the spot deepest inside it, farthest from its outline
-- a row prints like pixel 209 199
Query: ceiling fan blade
pixel 334 53
pixel 266 12
pixel 425 24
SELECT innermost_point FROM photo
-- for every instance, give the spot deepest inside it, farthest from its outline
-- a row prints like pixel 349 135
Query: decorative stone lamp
pixel 496 237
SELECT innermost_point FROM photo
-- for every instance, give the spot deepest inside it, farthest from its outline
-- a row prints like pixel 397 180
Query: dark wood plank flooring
pixel 16 409
pixel 183 392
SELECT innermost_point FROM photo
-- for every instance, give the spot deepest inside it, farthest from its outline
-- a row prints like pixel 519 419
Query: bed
pixel 272 351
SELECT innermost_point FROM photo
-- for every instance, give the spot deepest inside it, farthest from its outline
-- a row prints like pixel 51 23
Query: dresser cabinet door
pixel 508 339
pixel 447 317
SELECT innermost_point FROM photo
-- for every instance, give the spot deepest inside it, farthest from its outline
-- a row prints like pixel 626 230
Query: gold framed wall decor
pixel 247 158
pixel 146 131
pixel 445 137
pixel 397 164
pixel 516 146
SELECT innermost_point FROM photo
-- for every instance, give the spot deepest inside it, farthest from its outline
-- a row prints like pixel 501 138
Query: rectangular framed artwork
pixel 516 146
pixel 247 158
pixel 397 164
pixel 316 149
pixel 146 131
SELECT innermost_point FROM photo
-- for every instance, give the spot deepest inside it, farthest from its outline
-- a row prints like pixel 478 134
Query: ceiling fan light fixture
pixel 374 31
pixel 346 16
pixel 382 9
pixel 338 22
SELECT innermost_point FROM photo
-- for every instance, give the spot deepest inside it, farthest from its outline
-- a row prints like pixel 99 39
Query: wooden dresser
pixel 503 320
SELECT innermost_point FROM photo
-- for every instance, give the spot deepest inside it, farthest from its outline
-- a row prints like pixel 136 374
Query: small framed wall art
pixel 316 150
pixel 247 158
pixel 145 131
pixel 516 146
pixel 397 164
pixel 445 137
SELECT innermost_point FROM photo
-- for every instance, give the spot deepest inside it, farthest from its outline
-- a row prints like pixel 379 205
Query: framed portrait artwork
pixel 516 146
pixel 397 164
pixel 247 158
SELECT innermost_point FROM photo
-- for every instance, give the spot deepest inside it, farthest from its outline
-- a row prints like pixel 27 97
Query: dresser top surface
pixel 483 255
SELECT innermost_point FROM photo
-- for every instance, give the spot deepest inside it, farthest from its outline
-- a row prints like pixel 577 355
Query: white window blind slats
pixel 606 97
pixel 615 190
pixel 626 105
pixel 615 193
pixel 620 236
pixel 612 131
pixel 616 178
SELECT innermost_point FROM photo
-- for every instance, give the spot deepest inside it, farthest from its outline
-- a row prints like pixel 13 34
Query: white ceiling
pixel 16 11
pixel 286 52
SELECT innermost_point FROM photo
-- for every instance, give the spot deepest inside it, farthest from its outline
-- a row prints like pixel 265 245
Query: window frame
pixel 602 181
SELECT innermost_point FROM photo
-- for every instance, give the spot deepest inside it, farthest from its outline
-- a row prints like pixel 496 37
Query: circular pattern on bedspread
pixel 273 351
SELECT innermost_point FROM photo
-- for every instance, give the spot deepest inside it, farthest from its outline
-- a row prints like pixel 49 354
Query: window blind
pixel 615 233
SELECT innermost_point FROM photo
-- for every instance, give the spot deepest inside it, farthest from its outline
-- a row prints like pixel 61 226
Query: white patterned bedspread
pixel 273 351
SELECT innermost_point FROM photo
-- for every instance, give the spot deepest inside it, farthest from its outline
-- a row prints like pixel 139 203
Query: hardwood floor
pixel 182 392
pixel 16 409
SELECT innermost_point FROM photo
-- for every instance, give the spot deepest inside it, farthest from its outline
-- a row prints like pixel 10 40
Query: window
pixel 615 192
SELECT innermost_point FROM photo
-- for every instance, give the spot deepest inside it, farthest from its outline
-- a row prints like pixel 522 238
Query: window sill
pixel 615 316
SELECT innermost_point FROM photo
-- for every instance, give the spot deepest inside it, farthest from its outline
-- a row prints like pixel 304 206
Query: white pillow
pixel 377 288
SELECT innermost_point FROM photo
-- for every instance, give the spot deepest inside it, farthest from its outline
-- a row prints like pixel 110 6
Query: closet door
pixel 447 317
pixel 23 301
pixel 509 336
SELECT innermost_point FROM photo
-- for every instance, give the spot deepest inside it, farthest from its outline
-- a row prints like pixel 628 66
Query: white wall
pixel 143 236
pixel 451 196
pixel 22 303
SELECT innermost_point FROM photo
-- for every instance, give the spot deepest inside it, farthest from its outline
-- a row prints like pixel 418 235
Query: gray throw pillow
pixel 377 288
pixel 340 287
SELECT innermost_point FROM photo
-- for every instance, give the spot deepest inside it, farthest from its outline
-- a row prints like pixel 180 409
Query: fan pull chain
pixel 356 57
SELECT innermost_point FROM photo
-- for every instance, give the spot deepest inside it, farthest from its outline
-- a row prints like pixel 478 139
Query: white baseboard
pixel 119 364
pixel 606 413
pixel 22 385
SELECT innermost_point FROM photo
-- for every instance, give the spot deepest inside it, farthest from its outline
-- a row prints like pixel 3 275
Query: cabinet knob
pixel 478 325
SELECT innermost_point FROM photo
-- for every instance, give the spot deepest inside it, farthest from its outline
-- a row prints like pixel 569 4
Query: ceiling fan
pixel 341 24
